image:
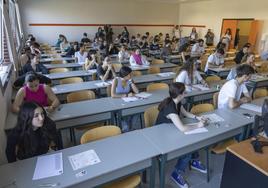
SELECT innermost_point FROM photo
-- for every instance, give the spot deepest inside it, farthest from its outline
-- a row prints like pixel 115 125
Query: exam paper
pixel 92 71
pixel 84 159
pixel 48 166
pixel 200 87
pixel 143 95
pixel 197 130
pixel 129 99
pixel 213 118
pixel 251 107
pixel 102 84
pixel 165 74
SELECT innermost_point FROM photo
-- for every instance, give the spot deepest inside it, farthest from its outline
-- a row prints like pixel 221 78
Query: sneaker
pixel 179 179
pixel 197 165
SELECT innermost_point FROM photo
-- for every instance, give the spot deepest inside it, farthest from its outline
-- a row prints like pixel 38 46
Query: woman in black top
pixel 105 70
pixel 34 65
pixel 169 112
pixel 35 134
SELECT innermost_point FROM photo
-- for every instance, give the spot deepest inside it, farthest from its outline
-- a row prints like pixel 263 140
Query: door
pixel 232 24
pixel 255 32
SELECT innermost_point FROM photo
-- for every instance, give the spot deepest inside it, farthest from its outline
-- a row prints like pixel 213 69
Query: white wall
pixel 94 11
pixel 211 13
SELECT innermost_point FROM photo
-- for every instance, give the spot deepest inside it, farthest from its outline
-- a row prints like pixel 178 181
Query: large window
pixel 14 24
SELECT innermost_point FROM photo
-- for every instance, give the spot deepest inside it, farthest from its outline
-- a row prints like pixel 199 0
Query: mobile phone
pixel 248 115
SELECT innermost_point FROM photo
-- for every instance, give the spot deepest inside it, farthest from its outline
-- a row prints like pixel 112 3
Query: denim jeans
pixel 184 161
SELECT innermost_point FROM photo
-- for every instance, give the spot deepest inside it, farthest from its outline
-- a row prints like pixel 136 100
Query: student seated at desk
pixel 184 49
pixel 215 60
pixel 242 54
pixel 95 44
pixel 25 56
pixel 250 60
pixel 85 39
pixel 105 70
pixel 64 45
pixel 112 49
pixel 133 42
pixel 33 91
pixel 189 75
pixel 59 41
pixel 154 45
pixel 170 110
pixel 123 86
pixel 34 65
pixel 198 48
pixel 104 48
pixel 144 43
pixel 92 61
pixel 230 95
pixel 35 134
pixel 73 48
pixel 81 55
pixel 166 50
pixel 123 55
pixel 138 59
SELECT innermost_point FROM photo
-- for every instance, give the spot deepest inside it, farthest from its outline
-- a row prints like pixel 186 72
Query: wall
pixel 93 12
pixel 211 13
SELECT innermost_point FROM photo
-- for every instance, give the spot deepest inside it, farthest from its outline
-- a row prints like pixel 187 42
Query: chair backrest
pixel 80 96
pixel 157 61
pixel 150 116
pixel 153 70
pixel 94 76
pixel 100 133
pixel 156 86
pixel 136 73
pixel 109 90
pixel 71 80
pixel 56 62
pixel 117 66
pixel 58 70
pixel 213 78
pixel 229 63
pixel 260 92
pixel 215 100
pixel 201 108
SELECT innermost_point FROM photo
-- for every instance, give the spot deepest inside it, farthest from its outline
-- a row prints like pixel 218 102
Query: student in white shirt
pixel 215 60
pixel 138 59
pixel 250 60
pixel 198 48
pixel 123 54
pixel 81 55
pixel 177 31
pixel 230 95
pixel 189 75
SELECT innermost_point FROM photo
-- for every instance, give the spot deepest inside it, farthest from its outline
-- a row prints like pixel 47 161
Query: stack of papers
pixel 84 159
pixel 252 107
pixel 92 71
pixel 48 166
pixel 143 95
pixel 102 84
pixel 130 99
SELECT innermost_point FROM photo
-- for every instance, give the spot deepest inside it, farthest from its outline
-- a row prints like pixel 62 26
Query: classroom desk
pixel 45 60
pixel 172 143
pixel 253 84
pixel 173 59
pixel 64 65
pixel 80 73
pixel 120 156
pixel 165 67
pixel 244 167
pixel 221 72
pixel 45 55
pixel 141 82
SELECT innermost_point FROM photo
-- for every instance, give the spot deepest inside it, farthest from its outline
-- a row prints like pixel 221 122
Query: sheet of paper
pixel 130 99
pixel 102 84
pixel 251 107
pixel 166 74
pixel 200 87
pixel 84 159
pixel 213 118
pixel 54 89
pixel 48 166
pixel 196 131
pixel 81 63
pixel 255 77
pixel 143 95
pixel 92 71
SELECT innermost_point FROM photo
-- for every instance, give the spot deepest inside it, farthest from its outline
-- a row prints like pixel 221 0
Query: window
pixel 14 25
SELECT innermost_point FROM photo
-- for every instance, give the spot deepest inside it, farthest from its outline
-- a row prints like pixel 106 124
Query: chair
pixel 215 100
pixel 260 92
pixel 213 78
pixel 104 132
pixel 156 86
pixel 201 108
pixel 56 62
pixel 117 66
pixel 71 80
pixel 150 116
pixel 58 70
pixel 153 70
pixel 136 73
pixel 157 61
pixel 229 63
pixel 80 96
pixel 109 90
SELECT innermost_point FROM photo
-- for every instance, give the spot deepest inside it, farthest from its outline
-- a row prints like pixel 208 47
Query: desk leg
pixel 162 160
pixel 118 118
pixel 152 172
pixel 60 139
pixel 208 170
